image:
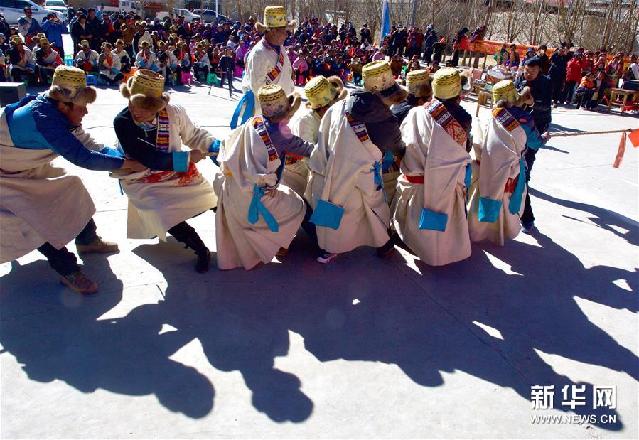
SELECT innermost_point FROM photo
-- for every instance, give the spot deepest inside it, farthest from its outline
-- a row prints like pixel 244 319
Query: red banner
pixel 492 47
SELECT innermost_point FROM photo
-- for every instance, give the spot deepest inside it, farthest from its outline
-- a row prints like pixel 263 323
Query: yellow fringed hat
pixel 320 92
pixel 415 80
pixel 446 83
pixel 69 84
pixel 274 101
pixel 377 76
pixel 147 83
pixel 274 17
pixel 69 78
pixel 505 90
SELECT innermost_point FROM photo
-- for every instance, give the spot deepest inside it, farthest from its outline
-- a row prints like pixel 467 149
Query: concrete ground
pixel 358 348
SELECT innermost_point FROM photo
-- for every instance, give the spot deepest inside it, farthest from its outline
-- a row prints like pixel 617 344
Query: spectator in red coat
pixel 587 62
pixel 573 77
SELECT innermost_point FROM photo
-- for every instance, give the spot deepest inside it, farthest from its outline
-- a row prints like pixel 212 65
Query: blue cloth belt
pixel 387 161
pixel 377 175
pixel 215 148
pixel 257 208
pixel 515 198
pixel 247 101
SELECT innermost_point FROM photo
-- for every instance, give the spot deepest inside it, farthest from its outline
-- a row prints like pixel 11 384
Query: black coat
pixel 381 124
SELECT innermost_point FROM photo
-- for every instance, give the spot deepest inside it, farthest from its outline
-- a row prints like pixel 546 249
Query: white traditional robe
pixel 245 163
pixel 155 207
pixel 432 153
pixel 304 124
pixel 342 169
pixel 495 171
pixel 112 69
pixel 39 203
pixel 259 62
pixel 92 57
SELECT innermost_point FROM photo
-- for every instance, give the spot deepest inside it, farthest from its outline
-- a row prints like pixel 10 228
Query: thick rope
pixel 582 133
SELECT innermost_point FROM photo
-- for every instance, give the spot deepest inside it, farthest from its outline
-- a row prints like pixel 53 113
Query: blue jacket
pixel 35 26
pixel 54 32
pixel 35 123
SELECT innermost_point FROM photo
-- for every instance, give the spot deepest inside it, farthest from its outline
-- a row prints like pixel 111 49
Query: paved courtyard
pixel 358 348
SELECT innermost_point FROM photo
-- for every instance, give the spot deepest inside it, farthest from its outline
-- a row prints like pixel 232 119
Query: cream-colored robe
pixel 304 124
pixel 497 160
pixel 431 152
pixel 39 203
pixel 259 62
pixel 342 173
pixel 156 207
pixel 245 163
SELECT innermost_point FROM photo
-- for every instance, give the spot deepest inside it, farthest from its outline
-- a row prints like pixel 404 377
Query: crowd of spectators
pixel 108 46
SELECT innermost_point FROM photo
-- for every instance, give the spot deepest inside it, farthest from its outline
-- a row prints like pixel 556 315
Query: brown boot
pixel 97 246
pixel 80 283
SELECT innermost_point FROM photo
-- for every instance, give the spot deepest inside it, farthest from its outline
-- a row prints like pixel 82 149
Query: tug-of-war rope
pixel 626 133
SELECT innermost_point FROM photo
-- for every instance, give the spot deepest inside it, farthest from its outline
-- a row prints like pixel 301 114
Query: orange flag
pixel 620 150
pixel 634 138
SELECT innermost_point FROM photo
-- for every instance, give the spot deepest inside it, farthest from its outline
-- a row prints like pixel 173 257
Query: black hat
pixel 532 62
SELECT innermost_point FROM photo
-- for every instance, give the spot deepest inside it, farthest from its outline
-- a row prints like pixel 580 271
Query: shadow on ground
pixel 425 320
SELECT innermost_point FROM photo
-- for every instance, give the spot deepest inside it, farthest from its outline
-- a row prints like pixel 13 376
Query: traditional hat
pixel 16 40
pixel 378 78
pixel 145 89
pixel 505 90
pixel 146 82
pixel 321 92
pixel 69 84
pixel 274 17
pixel 416 80
pixel 275 103
pixel 446 83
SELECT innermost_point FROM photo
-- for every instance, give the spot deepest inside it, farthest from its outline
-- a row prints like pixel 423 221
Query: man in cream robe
pixel 429 211
pixel 346 167
pixel 258 216
pixel 41 207
pixel 419 93
pixel 267 63
pixel 499 184
pixel 172 190
pixel 321 93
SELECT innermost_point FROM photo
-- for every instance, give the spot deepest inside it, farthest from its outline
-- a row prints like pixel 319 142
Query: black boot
pixel 203 260
pixel 185 233
pixel 386 250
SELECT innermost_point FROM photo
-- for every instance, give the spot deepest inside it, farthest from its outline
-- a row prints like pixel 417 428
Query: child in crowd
pixel 585 92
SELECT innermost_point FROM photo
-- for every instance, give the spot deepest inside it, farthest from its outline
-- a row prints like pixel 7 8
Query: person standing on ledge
pixel 267 63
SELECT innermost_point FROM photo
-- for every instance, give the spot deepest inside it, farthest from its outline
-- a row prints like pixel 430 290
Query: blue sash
pixel 257 208
pixel 377 175
pixel 515 198
pixel 468 179
pixel 247 101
